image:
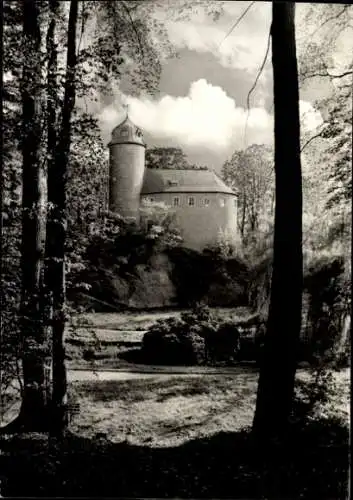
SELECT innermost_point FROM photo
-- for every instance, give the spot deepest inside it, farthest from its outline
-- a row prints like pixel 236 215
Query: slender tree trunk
pixel 273 196
pixel 277 373
pixel 242 225
pixel 56 231
pixel 52 90
pixel 32 414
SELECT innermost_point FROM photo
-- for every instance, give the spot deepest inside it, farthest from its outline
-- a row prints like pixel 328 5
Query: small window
pixel 222 202
pixel 124 132
pixel 176 201
pixel 206 202
pixel 172 182
pixel 191 201
pixel 151 199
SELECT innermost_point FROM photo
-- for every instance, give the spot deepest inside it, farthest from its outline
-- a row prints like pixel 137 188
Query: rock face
pixel 152 286
pixel 166 280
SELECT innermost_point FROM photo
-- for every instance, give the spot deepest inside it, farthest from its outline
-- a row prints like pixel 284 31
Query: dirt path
pixel 151 371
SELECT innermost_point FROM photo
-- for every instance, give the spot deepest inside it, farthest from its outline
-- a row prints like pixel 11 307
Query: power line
pixel 255 82
pixel 237 22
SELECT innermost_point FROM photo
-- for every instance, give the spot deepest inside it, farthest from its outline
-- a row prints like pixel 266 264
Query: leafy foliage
pixel 201 337
pixel 250 172
pixel 328 284
pixel 109 43
pixel 325 55
pixel 315 399
pixel 169 158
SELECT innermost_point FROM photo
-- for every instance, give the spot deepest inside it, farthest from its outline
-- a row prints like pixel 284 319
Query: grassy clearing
pixel 169 410
pixel 176 436
pixel 107 336
pixel 165 410
pixel 143 320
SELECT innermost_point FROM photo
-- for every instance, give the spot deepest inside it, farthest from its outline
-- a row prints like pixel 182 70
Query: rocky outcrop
pixel 151 286
pixel 173 279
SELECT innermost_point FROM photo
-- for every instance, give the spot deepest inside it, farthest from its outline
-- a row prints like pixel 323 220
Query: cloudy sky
pixel 201 105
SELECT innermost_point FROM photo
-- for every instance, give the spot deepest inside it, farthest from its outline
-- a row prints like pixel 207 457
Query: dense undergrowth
pixel 199 337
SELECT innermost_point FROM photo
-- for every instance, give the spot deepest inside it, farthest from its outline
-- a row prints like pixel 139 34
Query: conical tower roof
pixel 127 132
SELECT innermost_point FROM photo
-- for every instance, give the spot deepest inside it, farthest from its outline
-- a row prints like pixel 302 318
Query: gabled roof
pixel 183 181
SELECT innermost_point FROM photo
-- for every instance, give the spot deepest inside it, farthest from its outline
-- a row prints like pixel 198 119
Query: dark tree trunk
pixel 277 373
pixel 56 230
pixel 32 414
pixel 242 225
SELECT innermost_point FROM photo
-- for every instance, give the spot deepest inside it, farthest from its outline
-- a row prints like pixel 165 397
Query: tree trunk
pixel 242 226
pixel 277 372
pixel 343 341
pixel 52 90
pixel 56 230
pixel 32 414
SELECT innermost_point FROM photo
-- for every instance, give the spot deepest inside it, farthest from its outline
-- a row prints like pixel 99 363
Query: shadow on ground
pixel 312 463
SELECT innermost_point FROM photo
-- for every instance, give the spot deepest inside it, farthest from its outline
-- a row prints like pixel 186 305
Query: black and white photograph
pixel 176 227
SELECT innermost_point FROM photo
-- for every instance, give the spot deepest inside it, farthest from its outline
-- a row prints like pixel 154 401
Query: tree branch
pixel 316 136
pixel 332 18
pixel 82 28
pixel 133 27
pixel 328 75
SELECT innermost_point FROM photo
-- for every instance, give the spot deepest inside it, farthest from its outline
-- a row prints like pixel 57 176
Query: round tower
pixel 127 167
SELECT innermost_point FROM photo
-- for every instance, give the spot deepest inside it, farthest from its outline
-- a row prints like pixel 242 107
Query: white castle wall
pixel 202 225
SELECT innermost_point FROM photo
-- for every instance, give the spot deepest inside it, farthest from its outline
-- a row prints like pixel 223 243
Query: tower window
pixel 191 201
pixel 176 201
pixel 222 202
pixel 124 132
pixel 206 202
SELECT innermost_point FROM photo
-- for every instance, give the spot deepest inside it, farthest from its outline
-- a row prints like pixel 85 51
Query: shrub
pixel 224 343
pixel 328 284
pixel 174 341
pixel 89 354
pixel 198 337
pixel 315 400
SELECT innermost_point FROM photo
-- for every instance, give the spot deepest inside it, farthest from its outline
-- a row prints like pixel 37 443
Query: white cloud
pixel 243 48
pixel 238 50
pixel 207 117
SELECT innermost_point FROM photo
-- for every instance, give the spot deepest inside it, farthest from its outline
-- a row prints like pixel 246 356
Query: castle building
pixel 205 208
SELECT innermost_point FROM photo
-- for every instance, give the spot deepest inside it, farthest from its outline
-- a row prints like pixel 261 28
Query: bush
pixel 198 337
pixel 89 354
pixel 327 282
pixel 224 343
pixel 174 341
pixel 315 398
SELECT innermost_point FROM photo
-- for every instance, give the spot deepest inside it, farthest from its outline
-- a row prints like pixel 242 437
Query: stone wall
pixel 212 217
pixel 127 166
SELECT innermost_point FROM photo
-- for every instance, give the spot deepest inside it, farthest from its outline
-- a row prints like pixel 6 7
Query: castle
pixel 205 208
